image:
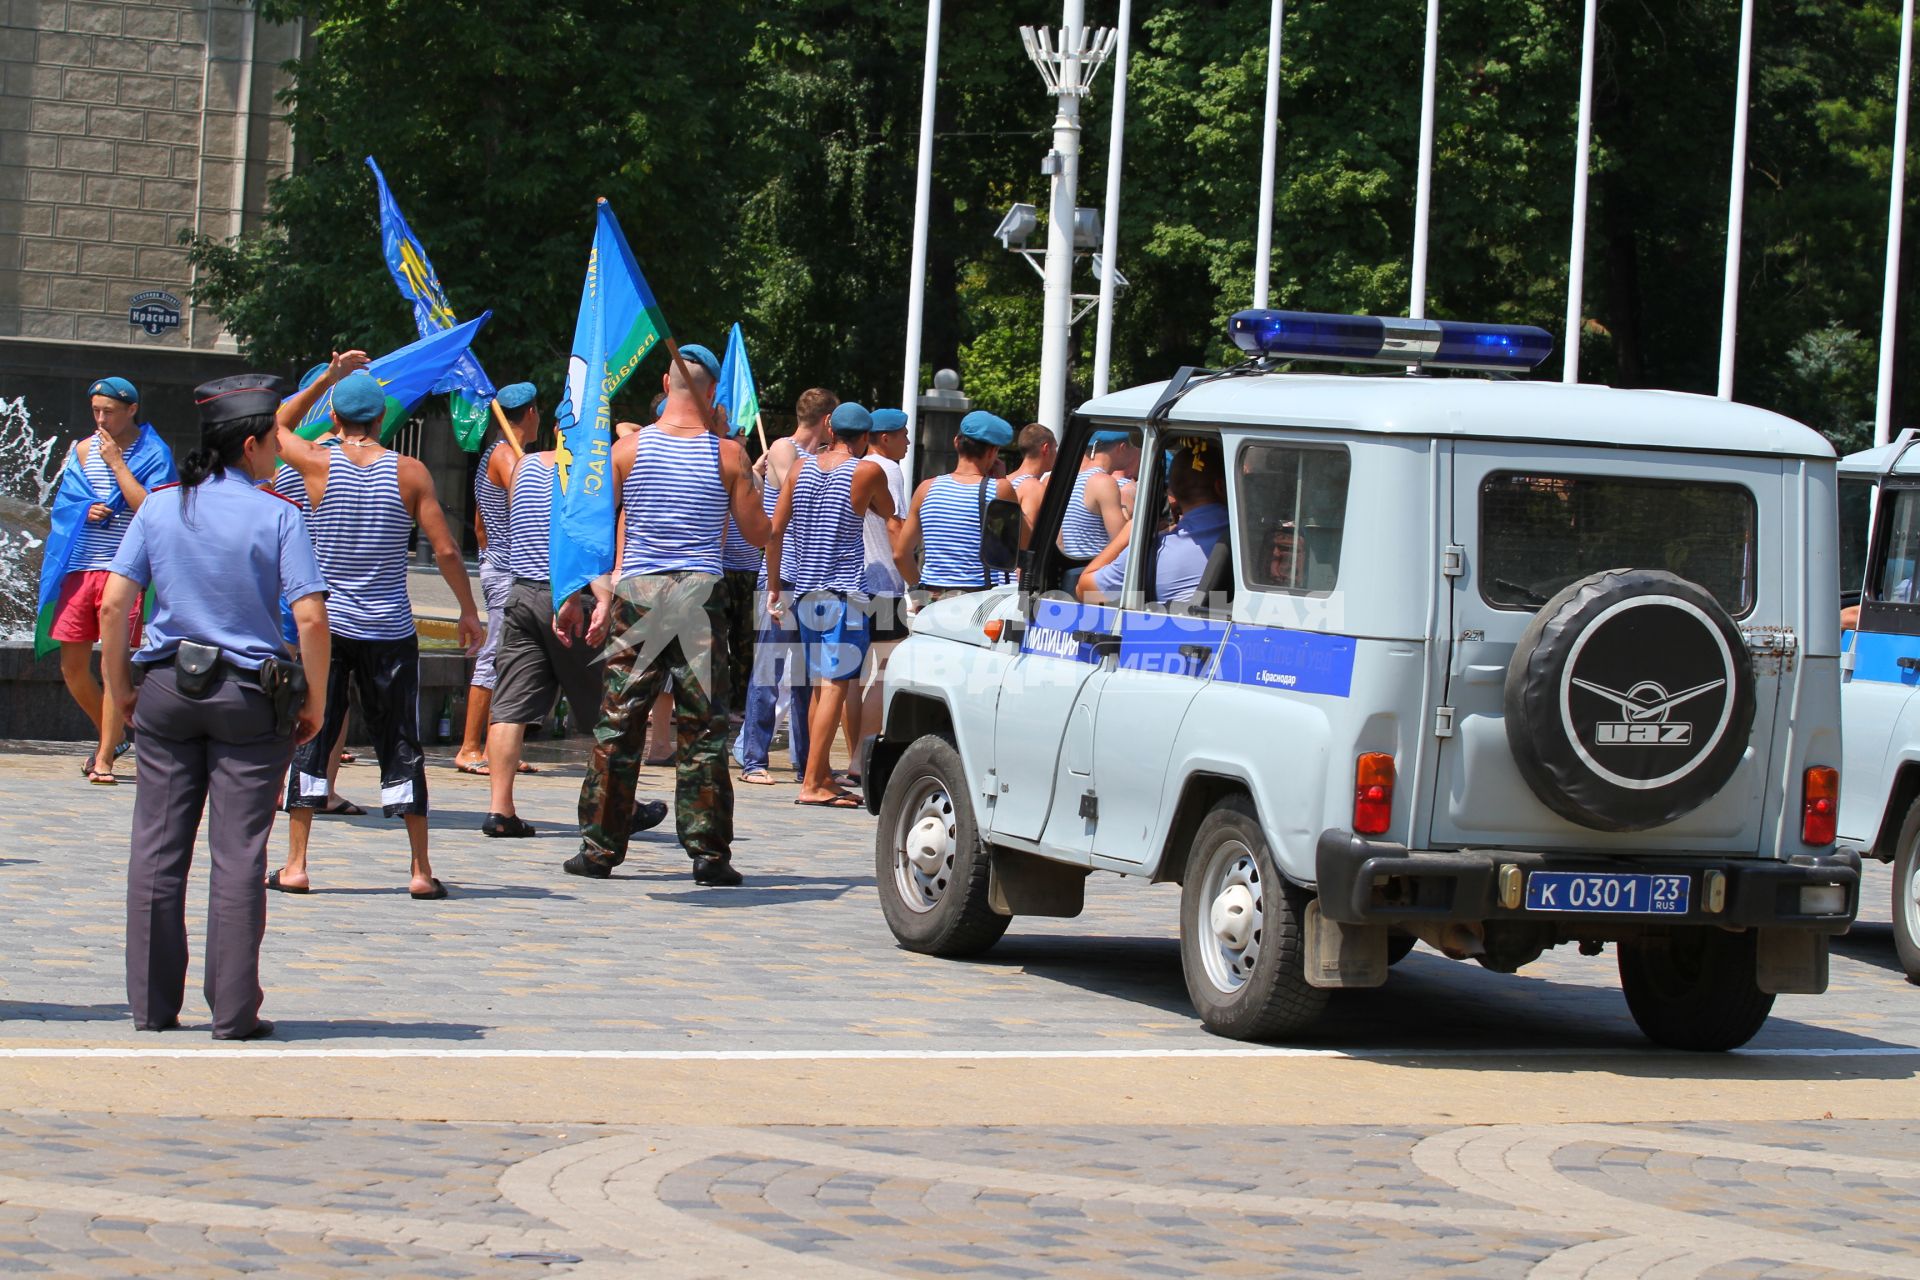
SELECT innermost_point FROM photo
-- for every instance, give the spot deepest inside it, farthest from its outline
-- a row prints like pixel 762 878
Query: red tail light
pixel 1819 805
pixel 1373 794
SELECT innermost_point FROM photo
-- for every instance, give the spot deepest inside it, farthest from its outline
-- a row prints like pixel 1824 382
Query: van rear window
pixel 1540 532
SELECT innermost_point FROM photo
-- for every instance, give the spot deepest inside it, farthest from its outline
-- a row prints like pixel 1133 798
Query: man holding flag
pixel 677 483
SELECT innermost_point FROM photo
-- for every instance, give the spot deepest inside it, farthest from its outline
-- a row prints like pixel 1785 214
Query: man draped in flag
pixel 413 272
pixel 676 484
pixel 107 476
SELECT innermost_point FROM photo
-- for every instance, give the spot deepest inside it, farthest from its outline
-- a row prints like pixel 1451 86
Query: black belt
pixel 223 670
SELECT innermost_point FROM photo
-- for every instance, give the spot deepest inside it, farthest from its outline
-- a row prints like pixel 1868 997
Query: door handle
pixel 1102 641
pixel 1907 664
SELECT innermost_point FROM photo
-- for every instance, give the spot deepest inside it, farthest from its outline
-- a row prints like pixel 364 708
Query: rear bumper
pixel 1364 881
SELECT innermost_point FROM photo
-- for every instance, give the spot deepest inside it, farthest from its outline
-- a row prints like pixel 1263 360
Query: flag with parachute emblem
pixel 412 271
pixel 736 396
pixel 619 324
pixel 407 376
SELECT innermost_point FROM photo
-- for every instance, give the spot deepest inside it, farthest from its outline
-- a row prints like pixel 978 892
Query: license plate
pixel 1608 892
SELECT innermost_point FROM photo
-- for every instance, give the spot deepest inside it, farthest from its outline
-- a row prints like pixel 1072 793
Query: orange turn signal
pixel 994 630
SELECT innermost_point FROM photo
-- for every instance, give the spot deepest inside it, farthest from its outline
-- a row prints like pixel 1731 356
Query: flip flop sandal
pixel 836 802
pixel 477 770
pixel 757 778
pixel 345 809
pixel 347 757
pixel 99 779
pixel 527 768
pixel 273 883
pixel 122 749
pixel 438 892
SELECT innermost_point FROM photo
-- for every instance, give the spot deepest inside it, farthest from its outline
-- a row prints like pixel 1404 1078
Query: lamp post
pixel 1736 203
pixel 1896 212
pixel 922 204
pixel 1577 257
pixel 1263 231
pixel 1068 68
pixel 1110 244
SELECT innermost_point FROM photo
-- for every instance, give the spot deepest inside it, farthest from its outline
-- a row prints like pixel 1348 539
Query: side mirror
pixel 1000 534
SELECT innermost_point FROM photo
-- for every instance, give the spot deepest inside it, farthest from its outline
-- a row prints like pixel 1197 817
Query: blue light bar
pixel 1436 344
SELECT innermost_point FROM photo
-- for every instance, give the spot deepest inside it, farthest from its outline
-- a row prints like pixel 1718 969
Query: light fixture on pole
pixel 1067 65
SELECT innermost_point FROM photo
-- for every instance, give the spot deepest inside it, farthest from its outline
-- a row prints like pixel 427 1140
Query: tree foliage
pixel 761 159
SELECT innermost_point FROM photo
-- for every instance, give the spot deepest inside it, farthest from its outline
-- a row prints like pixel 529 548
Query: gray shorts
pixel 532 667
pixel 494 585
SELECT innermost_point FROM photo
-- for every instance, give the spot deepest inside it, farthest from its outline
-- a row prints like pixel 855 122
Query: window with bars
pixel 1540 532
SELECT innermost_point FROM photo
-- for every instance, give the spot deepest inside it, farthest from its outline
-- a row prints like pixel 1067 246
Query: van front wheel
pixel 930 866
pixel 1906 895
pixel 1242 945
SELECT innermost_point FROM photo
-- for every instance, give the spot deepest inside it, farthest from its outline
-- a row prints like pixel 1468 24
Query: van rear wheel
pixel 1694 988
pixel 929 864
pixel 1242 944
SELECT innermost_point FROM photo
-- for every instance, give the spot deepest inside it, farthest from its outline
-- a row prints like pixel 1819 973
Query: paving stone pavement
pixel 526 958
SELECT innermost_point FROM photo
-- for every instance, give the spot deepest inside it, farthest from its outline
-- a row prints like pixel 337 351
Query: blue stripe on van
pixel 1263 657
pixel 1876 656
pixel 1296 661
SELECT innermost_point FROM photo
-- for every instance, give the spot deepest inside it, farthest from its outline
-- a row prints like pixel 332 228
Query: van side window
pixel 1894 580
pixel 1293 511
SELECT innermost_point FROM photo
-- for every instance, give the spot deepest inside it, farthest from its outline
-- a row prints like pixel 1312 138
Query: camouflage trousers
pixel 664 630
pixel 738 598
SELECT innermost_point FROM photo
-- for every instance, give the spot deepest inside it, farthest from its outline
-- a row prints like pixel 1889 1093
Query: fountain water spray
pixel 29 475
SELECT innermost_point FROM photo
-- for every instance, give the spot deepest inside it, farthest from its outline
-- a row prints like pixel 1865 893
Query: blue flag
pixel 412 271
pixel 737 396
pixel 619 323
pixel 406 377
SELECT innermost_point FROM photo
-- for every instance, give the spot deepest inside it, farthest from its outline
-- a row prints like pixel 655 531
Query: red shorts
pixel 76 615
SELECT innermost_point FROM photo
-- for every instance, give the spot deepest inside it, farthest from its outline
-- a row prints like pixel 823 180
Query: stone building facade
pixel 125 124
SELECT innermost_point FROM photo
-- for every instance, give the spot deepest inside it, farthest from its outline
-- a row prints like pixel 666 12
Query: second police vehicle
pixel 1497 665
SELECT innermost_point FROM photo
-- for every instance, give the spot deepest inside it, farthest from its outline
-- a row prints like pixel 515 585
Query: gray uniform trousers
pixel 220 752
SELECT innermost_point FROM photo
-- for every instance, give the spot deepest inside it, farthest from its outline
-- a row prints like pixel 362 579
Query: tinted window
pixel 1856 509
pixel 1894 583
pixel 1540 532
pixel 1293 512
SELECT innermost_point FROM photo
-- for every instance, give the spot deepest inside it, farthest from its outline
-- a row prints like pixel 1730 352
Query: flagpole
pixel 1896 214
pixel 1736 202
pixel 1577 256
pixel 1110 238
pixel 922 209
pixel 1263 232
pixel 1423 191
pixel 506 429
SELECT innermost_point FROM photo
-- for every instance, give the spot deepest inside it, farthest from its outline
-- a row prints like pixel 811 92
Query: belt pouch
pixel 196 668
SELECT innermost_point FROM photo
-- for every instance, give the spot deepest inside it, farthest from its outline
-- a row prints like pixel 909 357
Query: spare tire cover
pixel 1629 700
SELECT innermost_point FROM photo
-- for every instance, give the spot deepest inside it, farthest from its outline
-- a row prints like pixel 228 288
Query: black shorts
pixel 887 620
pixel 531 667
pixel 386 675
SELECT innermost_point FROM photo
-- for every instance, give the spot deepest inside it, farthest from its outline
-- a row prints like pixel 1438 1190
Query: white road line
pixel 916 1055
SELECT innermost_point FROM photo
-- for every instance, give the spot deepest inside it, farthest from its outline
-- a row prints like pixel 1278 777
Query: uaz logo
pixel 1645 707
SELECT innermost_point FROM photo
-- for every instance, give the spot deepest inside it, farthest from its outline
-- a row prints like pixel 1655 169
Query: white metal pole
pixel 1056 324
pixel 1736 202
pixel 1263 234
pixel 1896 210
pixel 1423 192
pixel 1110 234
pixel 922 208
pixel 1577 256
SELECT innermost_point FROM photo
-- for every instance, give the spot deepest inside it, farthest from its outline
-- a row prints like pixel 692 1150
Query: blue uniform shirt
pixel 219 567
pixel 1180 556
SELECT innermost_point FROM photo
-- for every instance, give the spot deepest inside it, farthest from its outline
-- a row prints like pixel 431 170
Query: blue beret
pixel 1099 438
pixel 312 375
pixel 702 357
pixel 242 395
pixel 990 428
pixel 850 419
pixel 516 395
pixel 358 398
pixel 115 388
pixel 885 420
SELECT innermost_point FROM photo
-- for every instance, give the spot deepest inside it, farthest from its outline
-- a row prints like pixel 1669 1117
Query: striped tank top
pixel 1019 478
pixel 769 499
pixel 1083 534
pixel 739 555
pixel 676 505
pixel 824 539
pixel 491 500
pixel 97 542
pixel 360 531
pixel 950 532
pixel 292 486
pixel 530 518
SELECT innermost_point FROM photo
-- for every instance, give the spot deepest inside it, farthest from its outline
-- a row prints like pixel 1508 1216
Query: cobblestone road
pixel 1449 1124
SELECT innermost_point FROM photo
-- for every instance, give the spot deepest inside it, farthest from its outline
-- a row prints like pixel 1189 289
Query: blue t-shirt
pixel 219 566
pixel 1180 556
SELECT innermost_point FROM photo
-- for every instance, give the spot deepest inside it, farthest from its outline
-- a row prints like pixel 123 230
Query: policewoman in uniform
pixel 219 707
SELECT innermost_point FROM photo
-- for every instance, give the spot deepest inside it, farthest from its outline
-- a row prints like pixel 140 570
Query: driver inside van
pixel 1197 486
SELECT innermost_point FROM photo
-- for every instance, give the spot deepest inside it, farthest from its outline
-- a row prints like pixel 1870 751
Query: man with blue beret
pixel 1096 509
pixel 885 586
pixel 366 501
pixel 492 480
pixel 1197 486
pixel 948 513
pixel 107 475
